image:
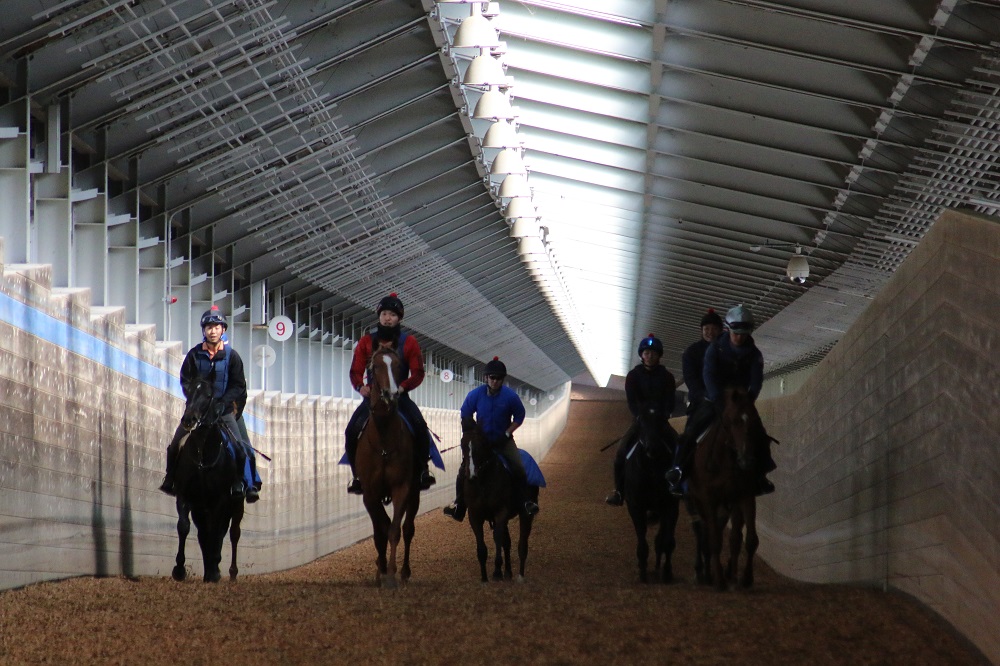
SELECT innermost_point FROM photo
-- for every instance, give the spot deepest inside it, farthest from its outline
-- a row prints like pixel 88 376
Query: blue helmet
pixel 651 342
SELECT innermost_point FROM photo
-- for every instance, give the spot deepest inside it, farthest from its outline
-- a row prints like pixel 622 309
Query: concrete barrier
pixel 889 471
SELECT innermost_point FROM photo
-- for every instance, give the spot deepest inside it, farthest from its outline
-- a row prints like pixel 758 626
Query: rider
pixel 648 385
pixel 733 360
pixel 388 333
pixel 499 412
pixel 230 397
pixel 692 364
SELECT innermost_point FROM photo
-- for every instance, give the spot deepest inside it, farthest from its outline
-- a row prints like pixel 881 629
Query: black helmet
pixel 496 367
pixel 711 317
pixel 392 303
pixel 650 342
pixel 212 316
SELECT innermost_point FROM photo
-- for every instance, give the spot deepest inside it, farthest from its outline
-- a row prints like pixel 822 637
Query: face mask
pixel 387 332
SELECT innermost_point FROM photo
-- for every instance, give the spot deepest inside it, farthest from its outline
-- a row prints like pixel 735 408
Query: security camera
pixel 798 269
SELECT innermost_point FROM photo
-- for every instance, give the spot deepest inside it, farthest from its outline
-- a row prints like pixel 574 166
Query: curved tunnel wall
pixel 87 406
pixel 889 466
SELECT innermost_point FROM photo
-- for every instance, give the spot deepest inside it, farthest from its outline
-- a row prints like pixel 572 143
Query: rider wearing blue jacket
pixel 499 412
pixel 230 391
pixel 732 360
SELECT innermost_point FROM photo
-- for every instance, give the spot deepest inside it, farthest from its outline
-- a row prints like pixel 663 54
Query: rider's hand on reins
pixel 365 391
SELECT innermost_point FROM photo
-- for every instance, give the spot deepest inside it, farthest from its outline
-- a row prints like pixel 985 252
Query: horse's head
pixel 383 371
pixel 739 420
pixel 198 409
pixel 653 440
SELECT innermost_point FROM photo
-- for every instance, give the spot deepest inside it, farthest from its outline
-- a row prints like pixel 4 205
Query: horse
pixel 491 495
pixel 386 467
pixel 647 492
pixel 204 479
pixel 722 486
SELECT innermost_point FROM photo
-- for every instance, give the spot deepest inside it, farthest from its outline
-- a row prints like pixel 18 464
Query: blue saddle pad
pixel 435 454
pixel 249 478
pixel 531 469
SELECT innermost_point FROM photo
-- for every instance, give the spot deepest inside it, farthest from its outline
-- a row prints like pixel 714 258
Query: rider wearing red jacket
pixel 388 333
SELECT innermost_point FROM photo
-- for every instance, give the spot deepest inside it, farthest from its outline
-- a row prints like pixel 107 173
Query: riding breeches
pixel 508 449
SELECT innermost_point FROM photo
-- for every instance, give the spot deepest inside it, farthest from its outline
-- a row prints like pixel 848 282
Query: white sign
pixel 447 376
pixel 533 401
pixel 280 328
pixel 264 356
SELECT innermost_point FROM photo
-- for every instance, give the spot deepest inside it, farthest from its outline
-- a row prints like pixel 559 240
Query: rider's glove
pixel 219 408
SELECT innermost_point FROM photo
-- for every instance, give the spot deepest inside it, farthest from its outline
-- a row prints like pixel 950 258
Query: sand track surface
pixel 581 604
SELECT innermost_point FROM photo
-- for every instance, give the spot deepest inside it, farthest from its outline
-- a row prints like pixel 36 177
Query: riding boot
pixel 616 497
pixel 426 479
pixel 354 487
pixel 457 508
pixel 675 475
pixel 167 485
pixel 239 488
pixel 530 506
pixel 253 490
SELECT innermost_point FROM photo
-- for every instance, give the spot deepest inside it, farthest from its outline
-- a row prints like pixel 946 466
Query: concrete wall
pixel 889 471
pixel 87 407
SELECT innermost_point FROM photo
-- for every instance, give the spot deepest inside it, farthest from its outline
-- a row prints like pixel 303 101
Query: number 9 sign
pixel 280 328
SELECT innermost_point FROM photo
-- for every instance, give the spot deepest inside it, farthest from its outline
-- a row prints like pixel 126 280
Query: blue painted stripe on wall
pixel 45 326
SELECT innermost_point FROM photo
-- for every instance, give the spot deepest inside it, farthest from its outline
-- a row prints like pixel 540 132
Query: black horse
pixel 647 492
pixel 493 497
pixel 204 479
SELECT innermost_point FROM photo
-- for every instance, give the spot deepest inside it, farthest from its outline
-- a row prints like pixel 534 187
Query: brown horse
pixel 723 483
pixel 491 495
pixel 385 466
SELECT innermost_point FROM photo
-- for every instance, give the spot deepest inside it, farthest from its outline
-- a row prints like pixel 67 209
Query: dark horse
pixel 492 496
pixel 385 465
pixel 205 476
pixel 647 492
pixel 723 483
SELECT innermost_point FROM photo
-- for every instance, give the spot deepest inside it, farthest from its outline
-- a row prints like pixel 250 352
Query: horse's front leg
pixel 522 544
pixel 234 536
pixel 380 532
pixel 409 528
pixel 638 516
pixel 501 541
pixel 666 541
pixel 183 529
pixel 750 509
pixel 713 533
pixel 476 523
pixel 399 497
pixel 735 542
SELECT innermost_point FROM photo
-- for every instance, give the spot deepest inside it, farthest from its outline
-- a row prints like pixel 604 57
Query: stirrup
pixel 456 511
pixel 168 486
pixel 764 486
pixel 674 475
pixel 530 508
pixel 354 487
pixel 238 490
pixel 426 479
pixel 252 495
pixel 614 499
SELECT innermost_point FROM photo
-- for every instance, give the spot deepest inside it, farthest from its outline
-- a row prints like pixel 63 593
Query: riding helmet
pixel 711 317
pixel 496 367
pixel 213 316
pixel 651 342
pixel 739 320
pixel 391 303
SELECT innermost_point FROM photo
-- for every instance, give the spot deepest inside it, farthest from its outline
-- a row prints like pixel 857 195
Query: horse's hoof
pixel 179 573
pixel 497 576
pixel 389 582
pixel 519 580
pixel 213 578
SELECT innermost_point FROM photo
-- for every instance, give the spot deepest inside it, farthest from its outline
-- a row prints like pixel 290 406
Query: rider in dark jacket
pixel 732 360
pixel 230 392
pixel 648 385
